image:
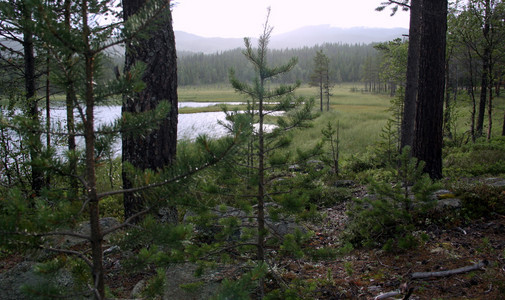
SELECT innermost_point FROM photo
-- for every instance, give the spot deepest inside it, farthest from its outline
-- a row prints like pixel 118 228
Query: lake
pixel 190 126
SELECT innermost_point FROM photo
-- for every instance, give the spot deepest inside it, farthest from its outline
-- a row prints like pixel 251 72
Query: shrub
pixel 476 159
pixel 389 217
pixel 481 200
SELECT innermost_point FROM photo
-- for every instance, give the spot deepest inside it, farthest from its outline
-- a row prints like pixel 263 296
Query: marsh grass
pixel 208 93
pixel 361 115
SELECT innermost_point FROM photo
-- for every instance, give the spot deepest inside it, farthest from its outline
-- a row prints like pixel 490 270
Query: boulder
pixel 182 284
pixel 12 281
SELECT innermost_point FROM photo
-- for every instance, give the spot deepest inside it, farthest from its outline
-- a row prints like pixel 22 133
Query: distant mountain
pixel 305 36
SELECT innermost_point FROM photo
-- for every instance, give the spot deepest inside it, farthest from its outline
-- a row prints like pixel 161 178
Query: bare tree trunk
pixel 89 136
pixel 428 134
pixel 70 101
pixel 490 103
pixel 485 69
pixel 321 92
pixel 48 111
pixel 409 108
pixel 472 95
pixel 157 149
pixel 37 180
pixel 447 102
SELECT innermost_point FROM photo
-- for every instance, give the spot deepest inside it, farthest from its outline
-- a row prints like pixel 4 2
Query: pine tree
pixel 320 76
pixel 428 136
pixel 27 225
pixel 266 147
pixel 156 150
pixel 19 29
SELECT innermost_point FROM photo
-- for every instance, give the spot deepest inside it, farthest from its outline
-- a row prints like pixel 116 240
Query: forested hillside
pixel 346 64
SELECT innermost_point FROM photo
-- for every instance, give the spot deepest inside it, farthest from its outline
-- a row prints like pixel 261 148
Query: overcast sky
pixel 244 18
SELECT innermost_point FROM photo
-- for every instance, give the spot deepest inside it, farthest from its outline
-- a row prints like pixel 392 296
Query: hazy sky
pixel 244 18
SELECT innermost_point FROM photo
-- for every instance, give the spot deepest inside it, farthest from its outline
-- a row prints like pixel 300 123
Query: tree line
pixel 346 64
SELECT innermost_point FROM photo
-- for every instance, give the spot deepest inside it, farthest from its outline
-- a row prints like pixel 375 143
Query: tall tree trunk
pixel 490 102
pixel 428 133
pixel 447 110
pixel 48 111
pixel 409 108
pixel 503 126
pixel 35 145
pixel 485 69
pixel 157 149
pixel 483 93
pixel 96 236
pixel 471 91
pixel 321 91
pixel 70 101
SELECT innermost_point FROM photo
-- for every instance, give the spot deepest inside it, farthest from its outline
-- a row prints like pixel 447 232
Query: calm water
pixel 189 125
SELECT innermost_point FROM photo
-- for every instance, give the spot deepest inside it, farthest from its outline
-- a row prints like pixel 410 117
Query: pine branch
pixel 174 179
pixel 71 252
pixel 228 248
pixel 57 233
pixel 126 223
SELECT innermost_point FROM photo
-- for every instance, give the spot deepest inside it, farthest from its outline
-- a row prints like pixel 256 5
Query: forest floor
pixel 366 274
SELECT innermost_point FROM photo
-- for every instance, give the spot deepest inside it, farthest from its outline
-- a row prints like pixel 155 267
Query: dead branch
pixel 387 295
pixel 423 275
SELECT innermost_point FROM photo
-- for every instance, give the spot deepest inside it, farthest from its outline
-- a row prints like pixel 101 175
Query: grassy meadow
pixel 361 116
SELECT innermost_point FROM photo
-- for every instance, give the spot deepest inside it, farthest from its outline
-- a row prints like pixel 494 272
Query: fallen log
pixel 422 275
pixel 387 295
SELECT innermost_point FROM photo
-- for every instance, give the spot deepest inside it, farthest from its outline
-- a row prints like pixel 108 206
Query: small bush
pixel 481 200
pixel 389 217
pixel 476 159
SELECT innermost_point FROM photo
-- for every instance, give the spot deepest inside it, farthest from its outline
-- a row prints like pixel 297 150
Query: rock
pixel 294 168
pixel 182 284
pixel 12 280
pixel 495 182
pixel 315 164
pixel 449 203
pixel 137 289
pixel 85 229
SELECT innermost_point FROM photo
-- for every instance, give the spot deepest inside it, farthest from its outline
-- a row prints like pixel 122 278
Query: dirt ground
pixel 366 274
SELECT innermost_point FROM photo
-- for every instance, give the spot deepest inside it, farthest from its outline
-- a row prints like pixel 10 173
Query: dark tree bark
pixel 157 149
pixel 428 131
pixel 37 180
pixel 70 101
pixel 409 108
pixel 485 69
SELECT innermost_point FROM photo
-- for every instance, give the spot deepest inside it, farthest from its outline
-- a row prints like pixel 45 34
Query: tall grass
pixel 361 116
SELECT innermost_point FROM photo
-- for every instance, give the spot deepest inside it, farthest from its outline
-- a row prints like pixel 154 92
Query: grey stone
pixel 449 203
pixel 85 229
pixel 137 289
pixel 180 277
pixel 22 274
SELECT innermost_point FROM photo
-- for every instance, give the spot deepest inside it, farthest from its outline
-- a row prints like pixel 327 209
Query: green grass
pixel 361 116
pixel 208 93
